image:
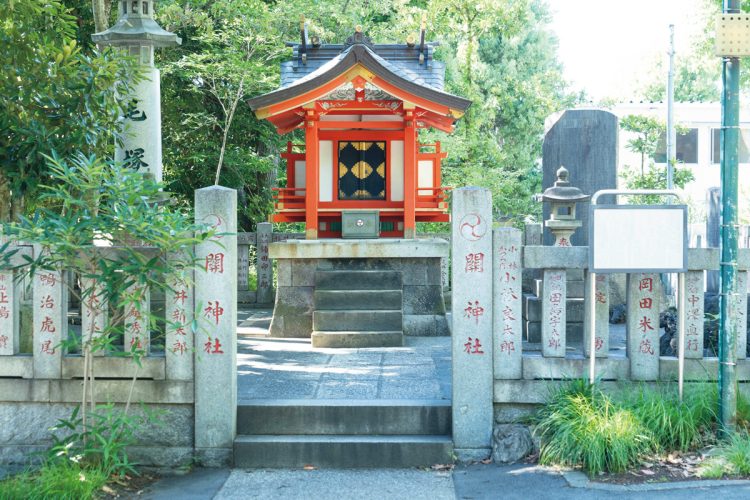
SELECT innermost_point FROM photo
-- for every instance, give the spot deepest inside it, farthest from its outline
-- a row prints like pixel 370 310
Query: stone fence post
pixel 50 323
pixel 507 299
pixel 9 314
pixel 263 264
pixel 472 351
pixel 643 325
pixel 215 341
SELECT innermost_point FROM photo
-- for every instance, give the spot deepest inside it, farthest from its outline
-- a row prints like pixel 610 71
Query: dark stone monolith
pixel 584 141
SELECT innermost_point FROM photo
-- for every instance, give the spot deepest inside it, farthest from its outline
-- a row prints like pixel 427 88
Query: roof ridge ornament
pixel 422 50
pixel 358 38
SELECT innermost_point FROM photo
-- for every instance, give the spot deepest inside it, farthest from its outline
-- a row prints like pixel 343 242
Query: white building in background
pixel 697 150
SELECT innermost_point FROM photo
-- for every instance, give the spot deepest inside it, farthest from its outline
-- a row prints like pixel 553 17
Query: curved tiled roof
pixel 397 65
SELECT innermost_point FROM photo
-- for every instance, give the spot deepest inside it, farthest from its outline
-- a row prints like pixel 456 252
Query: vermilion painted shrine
pixel 361 106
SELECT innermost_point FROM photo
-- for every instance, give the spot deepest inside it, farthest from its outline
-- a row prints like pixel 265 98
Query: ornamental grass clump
pixel 673 424
pixel 582 426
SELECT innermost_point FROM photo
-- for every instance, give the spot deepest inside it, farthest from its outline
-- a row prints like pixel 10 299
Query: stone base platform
pixel 418 262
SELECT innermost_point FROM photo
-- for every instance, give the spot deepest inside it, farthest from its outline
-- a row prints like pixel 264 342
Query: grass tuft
pixel 581 426
pixel 730 459
pixel 674 424
pixel 62 480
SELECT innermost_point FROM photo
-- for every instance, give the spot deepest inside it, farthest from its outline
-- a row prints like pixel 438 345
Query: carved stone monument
pixel 137 32
pixel 585 142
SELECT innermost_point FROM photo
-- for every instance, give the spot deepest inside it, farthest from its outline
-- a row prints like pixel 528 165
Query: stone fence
pixel 503 368
pixel 186 378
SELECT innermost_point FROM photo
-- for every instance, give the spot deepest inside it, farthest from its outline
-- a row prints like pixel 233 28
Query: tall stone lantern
pixel 563 198
pixel 138 33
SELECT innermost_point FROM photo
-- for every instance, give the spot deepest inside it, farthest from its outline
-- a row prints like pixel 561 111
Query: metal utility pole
pixel 730 114
pixel 671 134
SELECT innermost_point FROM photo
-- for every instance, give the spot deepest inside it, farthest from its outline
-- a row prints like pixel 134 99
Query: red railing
pixel 286 198
pixel 433 197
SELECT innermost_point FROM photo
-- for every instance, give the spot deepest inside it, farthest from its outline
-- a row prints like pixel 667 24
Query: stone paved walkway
pixel 292 369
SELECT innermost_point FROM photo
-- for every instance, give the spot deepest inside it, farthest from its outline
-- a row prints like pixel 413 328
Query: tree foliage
pixel 55 96
pixel 648 132
pixel 499 54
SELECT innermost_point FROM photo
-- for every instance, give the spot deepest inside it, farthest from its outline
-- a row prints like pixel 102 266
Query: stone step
pixel 357 321
pixel 358 339
pixel 352 417
pixel 342 451
pixel 329 300
pixel 532 309
pixel 358 280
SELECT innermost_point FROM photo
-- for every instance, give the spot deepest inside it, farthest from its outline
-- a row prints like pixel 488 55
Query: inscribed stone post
pixel 585 142
pixel 601 316
pixel 94 313
pixel 50 323
pixel 9 309
pixel 472 322
pixel 643 326
pixel 263 264
pixel 553 313
pixel 180 307
pixel 740 314
pixel 507 298
pixel 215 340
pixel 137 319
pixel 694 302
pixel 243 269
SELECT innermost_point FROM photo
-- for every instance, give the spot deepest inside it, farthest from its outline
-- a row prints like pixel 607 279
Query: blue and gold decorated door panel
pixel 362 170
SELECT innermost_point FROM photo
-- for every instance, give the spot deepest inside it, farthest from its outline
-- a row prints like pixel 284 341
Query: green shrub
pixel 60 480
pixel 103 442
pixel 674 424
pixel 581 426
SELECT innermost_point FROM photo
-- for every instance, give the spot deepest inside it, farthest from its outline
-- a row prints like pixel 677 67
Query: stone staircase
pixel 361 308
pixel 343 433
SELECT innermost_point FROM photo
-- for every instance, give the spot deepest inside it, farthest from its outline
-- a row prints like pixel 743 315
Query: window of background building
pixel 716 145
pixel 687 147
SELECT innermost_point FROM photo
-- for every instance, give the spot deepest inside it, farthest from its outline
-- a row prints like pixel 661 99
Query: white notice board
pixel 638 238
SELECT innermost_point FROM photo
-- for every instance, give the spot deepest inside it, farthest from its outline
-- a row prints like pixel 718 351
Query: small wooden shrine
pixel 361 106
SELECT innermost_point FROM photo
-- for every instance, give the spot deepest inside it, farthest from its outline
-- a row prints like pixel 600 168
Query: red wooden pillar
pixel 410 175
pixel 311 175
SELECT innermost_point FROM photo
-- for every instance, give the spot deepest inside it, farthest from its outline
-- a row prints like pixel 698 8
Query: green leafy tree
pixel 55 97
pixel 90 200
pixel 518 83
pixel 230 51
pixel 648 132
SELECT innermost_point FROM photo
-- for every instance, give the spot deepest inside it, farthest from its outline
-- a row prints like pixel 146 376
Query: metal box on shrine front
pixel 360 224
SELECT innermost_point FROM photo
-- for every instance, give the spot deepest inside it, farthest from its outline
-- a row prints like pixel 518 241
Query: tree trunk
pixel 17 207
pixel 100 9
pixel 5 212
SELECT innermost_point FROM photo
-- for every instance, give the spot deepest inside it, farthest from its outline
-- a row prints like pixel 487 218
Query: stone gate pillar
pixel 216 338
pixel 472 322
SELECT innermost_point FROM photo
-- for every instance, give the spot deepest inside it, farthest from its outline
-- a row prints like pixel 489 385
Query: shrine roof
pixel 397 65
pixel 399 58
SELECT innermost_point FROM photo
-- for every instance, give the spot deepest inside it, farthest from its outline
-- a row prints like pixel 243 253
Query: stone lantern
pixel 563 198
pixel 137 32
